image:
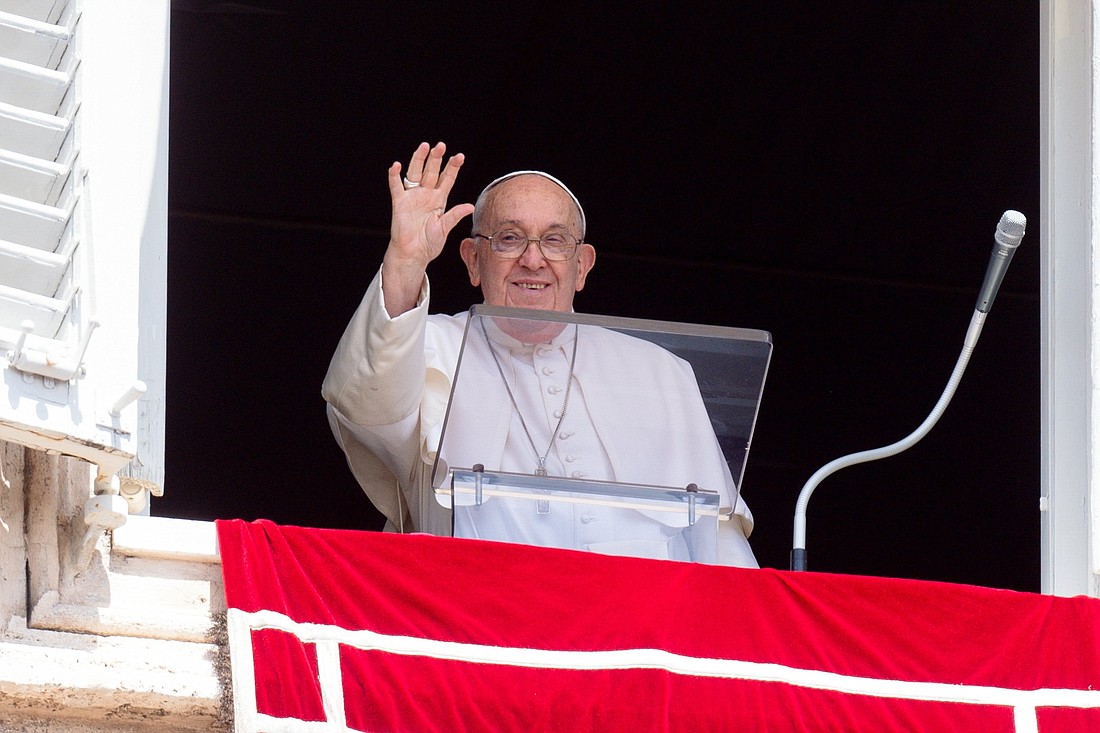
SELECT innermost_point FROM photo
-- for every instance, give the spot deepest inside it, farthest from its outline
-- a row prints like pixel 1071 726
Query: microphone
pixel 1010 230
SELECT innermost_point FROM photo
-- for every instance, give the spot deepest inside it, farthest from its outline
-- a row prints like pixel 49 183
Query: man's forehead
pixel 498 186
pixel 505 221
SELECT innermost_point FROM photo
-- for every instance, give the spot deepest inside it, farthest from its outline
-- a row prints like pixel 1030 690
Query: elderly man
pixel 389 380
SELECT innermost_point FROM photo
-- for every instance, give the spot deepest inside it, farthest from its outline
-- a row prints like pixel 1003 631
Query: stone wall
pixel 121 638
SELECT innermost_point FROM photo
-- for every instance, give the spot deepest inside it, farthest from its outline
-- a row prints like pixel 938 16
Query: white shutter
pixel 83 228
pixel 37 196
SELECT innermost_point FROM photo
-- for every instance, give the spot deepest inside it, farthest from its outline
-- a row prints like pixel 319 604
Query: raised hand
pixel 420 222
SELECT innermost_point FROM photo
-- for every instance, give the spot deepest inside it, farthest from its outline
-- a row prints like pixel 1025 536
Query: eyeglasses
pixel 510 244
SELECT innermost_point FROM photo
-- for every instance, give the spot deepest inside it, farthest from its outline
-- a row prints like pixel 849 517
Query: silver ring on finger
pixel 410 184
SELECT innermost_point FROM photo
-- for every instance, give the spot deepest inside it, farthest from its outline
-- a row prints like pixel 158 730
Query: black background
pixel 830 172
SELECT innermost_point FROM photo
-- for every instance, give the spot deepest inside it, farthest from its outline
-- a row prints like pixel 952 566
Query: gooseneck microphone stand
pixel 1010 231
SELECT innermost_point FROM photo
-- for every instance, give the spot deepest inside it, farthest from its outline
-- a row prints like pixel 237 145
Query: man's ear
pixel 586 260
pixel 469 251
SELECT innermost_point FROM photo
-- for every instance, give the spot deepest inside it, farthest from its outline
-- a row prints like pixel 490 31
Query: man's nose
pixel 532 256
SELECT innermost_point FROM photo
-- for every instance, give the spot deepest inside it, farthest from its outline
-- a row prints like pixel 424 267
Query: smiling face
pixel 535 206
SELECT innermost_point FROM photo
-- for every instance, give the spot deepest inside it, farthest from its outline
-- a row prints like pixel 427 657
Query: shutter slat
pixel 45 11
pixel 32 270
pixel 32 133
pixel 32 179
pixel 33 225
pixel 47 314
pixel 32 87
pixel 32 41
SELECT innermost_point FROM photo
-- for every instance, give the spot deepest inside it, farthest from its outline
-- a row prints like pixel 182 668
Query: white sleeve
pixel 374 388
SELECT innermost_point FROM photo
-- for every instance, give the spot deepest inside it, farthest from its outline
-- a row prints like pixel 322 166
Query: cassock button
pixel 557 413
pixel 570 458
pixel 553 389
pixel 578 474
pixel 547 370
pixel 587 519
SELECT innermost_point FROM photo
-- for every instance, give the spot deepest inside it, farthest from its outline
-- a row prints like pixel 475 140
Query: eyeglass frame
pixel 577 242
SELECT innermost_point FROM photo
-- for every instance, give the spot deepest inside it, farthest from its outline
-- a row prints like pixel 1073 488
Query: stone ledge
pixel 105 683
pixel 164 538
pixel 161 580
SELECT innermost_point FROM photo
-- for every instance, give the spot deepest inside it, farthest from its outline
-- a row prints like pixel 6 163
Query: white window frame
pixel 1068 277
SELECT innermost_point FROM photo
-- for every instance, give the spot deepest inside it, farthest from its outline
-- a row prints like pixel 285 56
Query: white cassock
pixel 388 386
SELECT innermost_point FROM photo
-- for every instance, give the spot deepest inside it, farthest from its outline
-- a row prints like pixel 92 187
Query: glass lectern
pixel 612 435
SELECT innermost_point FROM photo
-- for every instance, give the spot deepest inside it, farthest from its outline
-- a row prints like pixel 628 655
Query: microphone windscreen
pixel 1010 229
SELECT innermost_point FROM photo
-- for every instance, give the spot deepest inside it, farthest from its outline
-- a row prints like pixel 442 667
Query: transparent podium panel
pixel 587 432
pixel 596 516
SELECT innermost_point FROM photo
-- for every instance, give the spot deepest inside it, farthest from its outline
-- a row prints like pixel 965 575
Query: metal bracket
pixel 35 361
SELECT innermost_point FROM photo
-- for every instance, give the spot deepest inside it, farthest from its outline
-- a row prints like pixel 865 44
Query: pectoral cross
pixel 542 506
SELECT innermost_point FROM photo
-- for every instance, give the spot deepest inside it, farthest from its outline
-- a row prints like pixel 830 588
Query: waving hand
pixel 420 222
